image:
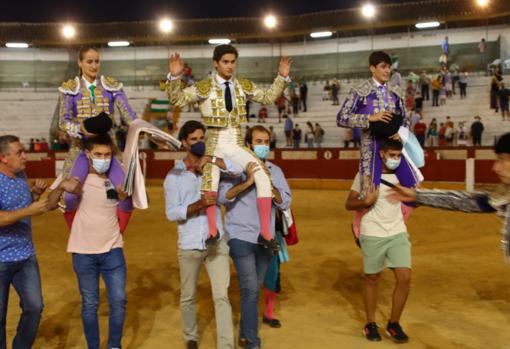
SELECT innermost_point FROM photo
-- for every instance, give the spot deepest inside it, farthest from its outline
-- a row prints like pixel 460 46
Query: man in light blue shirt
pixel 243 228
pixel 186 206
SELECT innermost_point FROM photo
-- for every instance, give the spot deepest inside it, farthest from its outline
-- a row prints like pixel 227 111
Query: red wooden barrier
pixel 323 163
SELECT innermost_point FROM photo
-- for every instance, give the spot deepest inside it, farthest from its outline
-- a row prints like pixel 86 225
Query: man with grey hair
pixel 18 264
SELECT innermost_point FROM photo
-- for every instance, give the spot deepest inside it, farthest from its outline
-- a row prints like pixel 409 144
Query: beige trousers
pixel 216 261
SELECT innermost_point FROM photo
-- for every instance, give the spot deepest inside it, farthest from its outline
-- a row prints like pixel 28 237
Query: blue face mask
pixel 261 150
pixel 198 149
pixel 392 164
pixel 101 165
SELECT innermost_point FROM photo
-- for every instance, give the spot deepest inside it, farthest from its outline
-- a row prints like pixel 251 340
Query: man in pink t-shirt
pixel 96 241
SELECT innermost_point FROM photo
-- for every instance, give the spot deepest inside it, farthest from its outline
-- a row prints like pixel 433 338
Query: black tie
pixel 228 98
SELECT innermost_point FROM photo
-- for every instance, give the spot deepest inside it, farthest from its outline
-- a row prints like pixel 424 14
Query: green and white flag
pixel 160 105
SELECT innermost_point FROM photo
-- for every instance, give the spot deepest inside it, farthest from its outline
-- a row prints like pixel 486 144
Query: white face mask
pixel 101 165
pixel 261 150
pixel 392 164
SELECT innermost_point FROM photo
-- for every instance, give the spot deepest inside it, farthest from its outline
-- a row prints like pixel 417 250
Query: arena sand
pixel 459 298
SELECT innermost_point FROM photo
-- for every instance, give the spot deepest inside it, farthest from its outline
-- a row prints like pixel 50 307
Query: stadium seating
pixel 29 114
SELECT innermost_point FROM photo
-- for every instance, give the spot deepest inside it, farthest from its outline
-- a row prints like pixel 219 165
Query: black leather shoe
pixel 274 323
pixel 192 345
pixel 270 244
pixel 211 240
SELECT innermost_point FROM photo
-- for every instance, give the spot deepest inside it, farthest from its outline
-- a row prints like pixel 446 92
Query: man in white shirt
pixel 383 238
pixel 187 207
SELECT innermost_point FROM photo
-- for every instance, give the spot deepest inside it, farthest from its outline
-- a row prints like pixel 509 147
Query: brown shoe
pixel 242 342
pixel 192 345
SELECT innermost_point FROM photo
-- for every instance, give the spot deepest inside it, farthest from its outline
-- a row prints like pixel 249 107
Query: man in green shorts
pixel 383 237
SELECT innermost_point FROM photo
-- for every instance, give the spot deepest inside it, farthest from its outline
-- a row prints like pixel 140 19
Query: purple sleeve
pixel 348 117
pixel 121 102
pixel 66 123
pixel 80 169
pixel 116 176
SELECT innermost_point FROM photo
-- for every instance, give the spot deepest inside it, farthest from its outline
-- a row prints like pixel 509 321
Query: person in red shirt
pixel 44 145
pixel 280 104
pixel 420 130
pixel 442 132
pixel 262 114
pixel 37 145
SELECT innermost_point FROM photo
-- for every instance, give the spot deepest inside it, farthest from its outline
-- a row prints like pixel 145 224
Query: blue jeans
pixel 112 267
pixel 26 279
pixel 251 262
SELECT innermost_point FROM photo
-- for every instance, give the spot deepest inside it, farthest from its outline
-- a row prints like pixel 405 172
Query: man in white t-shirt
pixel 383 237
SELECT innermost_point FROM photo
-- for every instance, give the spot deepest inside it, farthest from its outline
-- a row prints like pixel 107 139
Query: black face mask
pixel 198 149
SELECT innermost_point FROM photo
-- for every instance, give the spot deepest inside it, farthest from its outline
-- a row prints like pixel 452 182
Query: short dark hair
pixel 100 139
pixel 260 128
pixel 377 57
pixel 221 50
pixel 390 144
pixel 5 142
pixel 503 144
pixel 188 128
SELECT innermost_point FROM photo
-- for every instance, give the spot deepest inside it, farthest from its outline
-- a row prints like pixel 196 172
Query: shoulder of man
pixel 274 169
pixel 247 85
pixel 364 88
pixel 70 87
pixel 396 89
pixel 111 84
pixel 173 176
pixel 178 168
pixel 203 87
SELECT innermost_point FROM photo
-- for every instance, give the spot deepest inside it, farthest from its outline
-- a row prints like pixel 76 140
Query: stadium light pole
pixel 68 31
pixel 166 26
pixel 368 11
pixel 484 5
pixel 270 22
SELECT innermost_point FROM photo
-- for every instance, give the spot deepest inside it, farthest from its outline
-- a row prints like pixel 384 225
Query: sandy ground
pixel 459 299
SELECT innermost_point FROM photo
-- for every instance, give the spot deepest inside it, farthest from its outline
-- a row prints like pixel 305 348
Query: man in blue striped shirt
pixel 242 224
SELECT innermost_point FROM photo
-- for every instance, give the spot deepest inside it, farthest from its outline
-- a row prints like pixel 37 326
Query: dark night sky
pixel 131 10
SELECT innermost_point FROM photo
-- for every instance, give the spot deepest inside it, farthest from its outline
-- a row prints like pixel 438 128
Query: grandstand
pixel 43 69
pixel 29 114
pixel 29 77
